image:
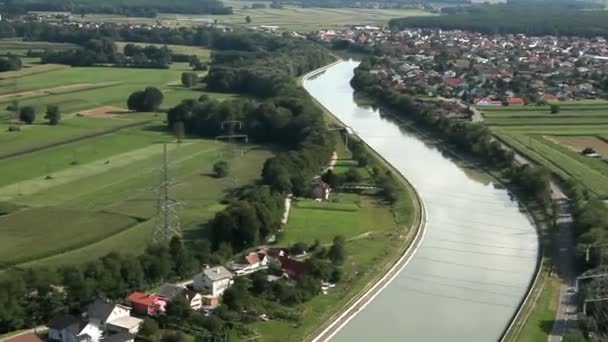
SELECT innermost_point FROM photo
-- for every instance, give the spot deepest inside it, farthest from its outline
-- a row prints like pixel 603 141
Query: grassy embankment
pixel 289 18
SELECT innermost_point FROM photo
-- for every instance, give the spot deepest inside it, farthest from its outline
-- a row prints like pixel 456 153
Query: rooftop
pixel 217 273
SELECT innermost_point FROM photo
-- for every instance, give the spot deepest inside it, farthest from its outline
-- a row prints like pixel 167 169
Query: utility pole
pixel 596 292
pixel 228 126
pixel 167 221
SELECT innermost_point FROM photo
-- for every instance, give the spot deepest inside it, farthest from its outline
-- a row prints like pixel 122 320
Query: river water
pixel 479 251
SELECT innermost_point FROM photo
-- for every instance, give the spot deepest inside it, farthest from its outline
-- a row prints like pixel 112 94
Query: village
pixel 485 70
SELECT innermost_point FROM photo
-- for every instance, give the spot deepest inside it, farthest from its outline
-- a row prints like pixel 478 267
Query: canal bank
pixel 476 262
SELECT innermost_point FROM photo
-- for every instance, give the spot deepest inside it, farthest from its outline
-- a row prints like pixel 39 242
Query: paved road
pixel 39 329
pixel 566 317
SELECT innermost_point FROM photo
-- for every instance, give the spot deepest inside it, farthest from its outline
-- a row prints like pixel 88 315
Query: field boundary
pixel 75 139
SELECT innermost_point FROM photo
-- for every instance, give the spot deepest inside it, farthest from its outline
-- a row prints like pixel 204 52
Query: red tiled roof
pixel 453 81
pixel 143 298
pixel 515 100
pixel 548 97
pixel 252 258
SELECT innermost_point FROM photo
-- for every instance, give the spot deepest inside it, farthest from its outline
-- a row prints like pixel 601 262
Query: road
pixel 39 329
pixel 566 316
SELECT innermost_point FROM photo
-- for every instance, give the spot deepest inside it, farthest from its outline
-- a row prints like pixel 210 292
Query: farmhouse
pixel 147 304
pixel 172 291
pixel 216 279
pixel 252 262
pixel 293 268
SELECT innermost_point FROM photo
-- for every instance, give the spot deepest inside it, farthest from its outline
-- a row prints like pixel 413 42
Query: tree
pixel 221 169
pixel 337 251
pixel 147 100
pixel 248 19
pixel 555 109
pixel 179 130
pixel 27 114
pixel 178 310
pixel 53 114
pixel 189 79
pixel 148 328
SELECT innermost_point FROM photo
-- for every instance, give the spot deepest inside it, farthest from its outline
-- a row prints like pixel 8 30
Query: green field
pixel 112 183
pixel 289 18
pixel 556 140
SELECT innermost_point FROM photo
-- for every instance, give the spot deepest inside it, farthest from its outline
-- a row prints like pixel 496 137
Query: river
pixel 479 252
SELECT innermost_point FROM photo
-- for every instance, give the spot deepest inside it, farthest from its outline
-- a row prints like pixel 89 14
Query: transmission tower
pixel 167 221
pixel 229 127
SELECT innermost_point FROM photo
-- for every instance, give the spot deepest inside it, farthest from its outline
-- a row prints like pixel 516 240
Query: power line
pixel 167 220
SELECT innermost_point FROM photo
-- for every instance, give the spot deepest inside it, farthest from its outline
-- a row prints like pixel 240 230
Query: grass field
pixel 542 317
pixel 351 215
pixel 113 179
pixel 289 18
pixel 556 140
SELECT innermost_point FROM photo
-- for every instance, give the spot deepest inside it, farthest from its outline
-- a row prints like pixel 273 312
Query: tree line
pixel 133 9
pixel 10 63
pixel 104 51
pixel 537 20
pixel 32 296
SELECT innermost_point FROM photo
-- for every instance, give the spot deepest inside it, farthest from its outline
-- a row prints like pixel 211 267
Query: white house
pixel 215 280
pixel 103 320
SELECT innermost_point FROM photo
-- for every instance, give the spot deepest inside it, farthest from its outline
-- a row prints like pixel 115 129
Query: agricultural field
pixel 104 188
pixel 85 187
pixel 557 140
pixel 288 18
pixel 81 94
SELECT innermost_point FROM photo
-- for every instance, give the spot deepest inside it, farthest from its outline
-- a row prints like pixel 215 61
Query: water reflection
pixel 479 252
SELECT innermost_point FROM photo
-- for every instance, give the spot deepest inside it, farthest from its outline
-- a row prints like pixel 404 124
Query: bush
pixel 14 128
pixel 555 109
pixel 147 100
pixel 27 114
pixel 53 114
pixel 221 169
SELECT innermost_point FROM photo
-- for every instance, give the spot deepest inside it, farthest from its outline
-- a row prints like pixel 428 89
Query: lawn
pixel 540 322
pixel 555 140
pixel 351 215
pixel 289 18
pixel 39 227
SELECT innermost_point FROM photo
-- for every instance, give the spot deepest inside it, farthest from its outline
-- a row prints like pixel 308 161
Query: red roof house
pixel 293 268
pixel 515 101
pixel 486 101
pixel 548 97
pixel 147 304
pixel 453 81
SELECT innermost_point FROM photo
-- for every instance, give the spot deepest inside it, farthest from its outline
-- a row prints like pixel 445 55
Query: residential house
pixel 172 291
pixel 67 328
pixel 29 337
pixel 253 262
pixel 120 337
pixel 486 102
pixel 216 280
pixel 548 97
pixel 515 101
pixel 147 304
pixel 293 268
pixel 320 190
pixel 112 317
